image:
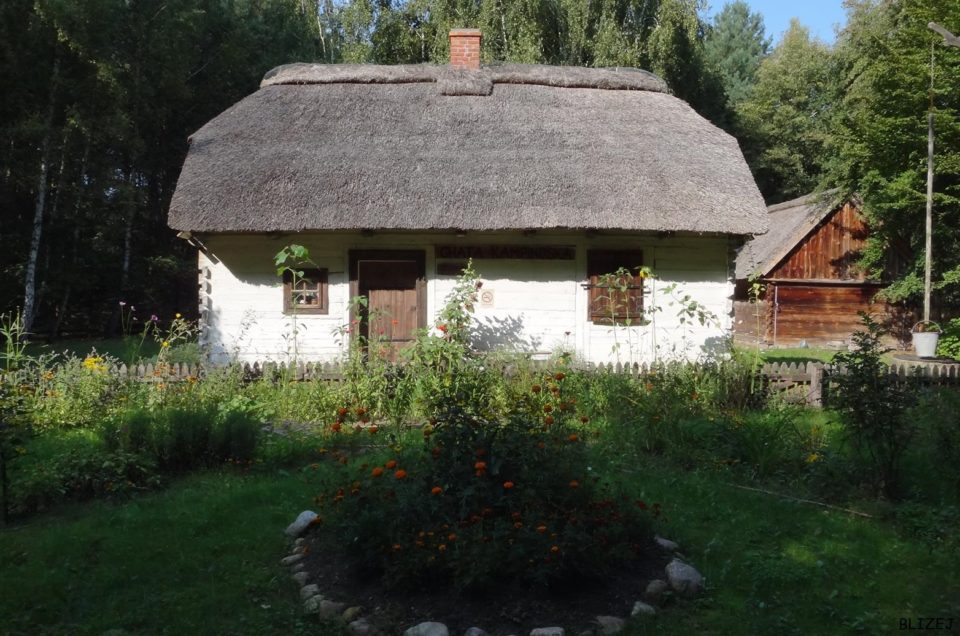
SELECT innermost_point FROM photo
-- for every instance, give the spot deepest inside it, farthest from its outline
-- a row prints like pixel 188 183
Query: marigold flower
pixel 376 472
pixel 442 547
pixel 541 528
pixel 451 537
pixel 436 490
pixel 391 464
pixel 373 429
pixel 574 483
pixel 442 328
pixel 360 410
pixel 335 427
pixel 342 411
pixel 400 474
pixel 555 549
pixel 518 525
pixel 536 388
pixel 584 419
pixel 547 408
pixel 563 406
pixel 548 420
pixel 507 485
pixel 574 437
pixel 559 376
pixel 480 465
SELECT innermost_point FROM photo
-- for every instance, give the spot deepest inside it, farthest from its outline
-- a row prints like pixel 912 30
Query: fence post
pixel 815 396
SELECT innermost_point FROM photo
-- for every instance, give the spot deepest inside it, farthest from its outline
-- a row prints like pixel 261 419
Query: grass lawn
pixel 202 557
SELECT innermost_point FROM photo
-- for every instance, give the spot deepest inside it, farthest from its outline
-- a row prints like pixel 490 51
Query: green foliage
pixel 874 405
pixel 879 145
pixel 735 45
pixel 784 123
pixel 949 343
pixel 484 501
pixel 74 393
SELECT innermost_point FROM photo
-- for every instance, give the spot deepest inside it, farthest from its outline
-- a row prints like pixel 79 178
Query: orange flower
pixel 451 537
pixel 442 328
pixel 574 437
pixel 559 376
pixel 442 547
pixel 480 465
pixel 563 406
pixel 547 408
pixel 507 485
pixel 518 525
pixel 555 549
pixel 400 474
pixel 373 429
pixel 335 427
pixel 341 411
pixel 584 419
pixel 396 547
pixel 548 420
pixel 574 484
pixel 360 410
pixel 541 528
pixel 536 388
pixel 436 490
pixel 391 464
pixel 376 472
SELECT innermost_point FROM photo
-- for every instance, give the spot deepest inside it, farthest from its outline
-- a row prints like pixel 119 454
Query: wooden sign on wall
pixel 519 252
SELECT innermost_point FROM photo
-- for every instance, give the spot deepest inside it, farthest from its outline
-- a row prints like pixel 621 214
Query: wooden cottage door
pixel 394 283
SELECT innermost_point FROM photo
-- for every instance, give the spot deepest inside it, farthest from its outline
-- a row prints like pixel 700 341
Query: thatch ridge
pixel 535 74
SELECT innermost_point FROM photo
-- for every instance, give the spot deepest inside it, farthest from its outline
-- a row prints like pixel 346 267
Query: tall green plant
pixel 873 404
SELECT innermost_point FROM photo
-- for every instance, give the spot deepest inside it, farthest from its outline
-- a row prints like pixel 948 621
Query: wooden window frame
pixel 607 261
pixel 323 290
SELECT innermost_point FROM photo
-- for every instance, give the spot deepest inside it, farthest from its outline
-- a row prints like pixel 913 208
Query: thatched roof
pixel 790 222
pixel 348 147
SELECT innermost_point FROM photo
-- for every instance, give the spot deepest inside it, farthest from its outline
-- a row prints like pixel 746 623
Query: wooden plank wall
pixel 830 252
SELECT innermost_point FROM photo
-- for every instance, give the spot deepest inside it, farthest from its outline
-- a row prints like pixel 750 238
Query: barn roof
pixel 790 222
pixel 417 147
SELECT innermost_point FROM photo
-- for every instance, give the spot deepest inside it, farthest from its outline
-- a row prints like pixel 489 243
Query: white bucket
pixel 925 344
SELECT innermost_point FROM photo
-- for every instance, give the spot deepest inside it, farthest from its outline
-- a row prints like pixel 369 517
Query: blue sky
pixel 819 16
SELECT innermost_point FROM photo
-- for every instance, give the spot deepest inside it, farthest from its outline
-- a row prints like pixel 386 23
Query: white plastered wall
pixel 537 306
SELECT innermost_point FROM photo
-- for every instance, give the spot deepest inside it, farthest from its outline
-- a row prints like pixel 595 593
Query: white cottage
pixel 394 176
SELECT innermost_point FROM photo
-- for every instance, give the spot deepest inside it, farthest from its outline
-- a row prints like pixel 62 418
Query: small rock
pixel 298 567
pixel 309 590
pixel 290 560
pixel 642 609
pixel 429 628
pixel 666 544
pixel 610 624
pixel 547 631
pixel 475 631
pixel 312 604
pixel 300 524
pixel 360 627
pixel 655 591
pixel 298 543
pixel 351 613
pixel 301 578
pixel 329 609
pixel 684 578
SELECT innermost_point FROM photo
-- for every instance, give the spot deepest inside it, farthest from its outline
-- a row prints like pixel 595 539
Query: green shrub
pixel 873 405
pixel 74 394
pixel 483 501
pixel 949 344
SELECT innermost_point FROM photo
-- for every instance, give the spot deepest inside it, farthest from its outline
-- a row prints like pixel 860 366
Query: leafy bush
pixel 75 393
pixel 949 343
pixel 873 405
pixel 182 438
pixel 483 501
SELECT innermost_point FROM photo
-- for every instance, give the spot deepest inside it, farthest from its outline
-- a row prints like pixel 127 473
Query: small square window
pixel 621 302
pixel 305 292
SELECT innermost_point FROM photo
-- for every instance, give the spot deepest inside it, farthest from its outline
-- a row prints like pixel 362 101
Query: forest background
pixel 98 98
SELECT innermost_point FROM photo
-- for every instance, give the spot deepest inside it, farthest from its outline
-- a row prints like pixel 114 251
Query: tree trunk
pixel 30 282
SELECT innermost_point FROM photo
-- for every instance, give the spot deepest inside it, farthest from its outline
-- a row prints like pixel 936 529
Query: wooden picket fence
pixel 799 381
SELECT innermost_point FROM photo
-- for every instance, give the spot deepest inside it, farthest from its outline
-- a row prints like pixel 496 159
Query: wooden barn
pixel 813 289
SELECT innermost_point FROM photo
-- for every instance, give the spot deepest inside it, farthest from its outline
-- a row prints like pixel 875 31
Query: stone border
pixel 681 578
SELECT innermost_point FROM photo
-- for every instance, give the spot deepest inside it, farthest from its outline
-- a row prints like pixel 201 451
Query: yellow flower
pixel 177 316
pixel 813 457
pixel 165 344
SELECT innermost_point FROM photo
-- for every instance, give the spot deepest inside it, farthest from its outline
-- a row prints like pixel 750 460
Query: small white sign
pixel 486 298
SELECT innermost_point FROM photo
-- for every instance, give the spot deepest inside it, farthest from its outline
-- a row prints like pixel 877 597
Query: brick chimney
pixel 465 49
